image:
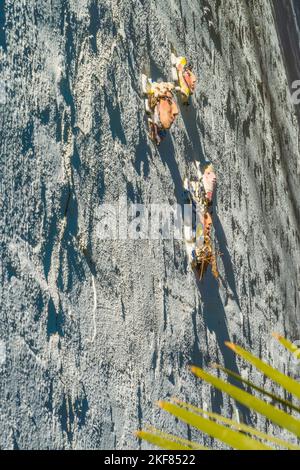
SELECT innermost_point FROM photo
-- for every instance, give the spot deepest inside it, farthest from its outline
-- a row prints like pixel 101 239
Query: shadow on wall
pixel 189 117
pixel 2 26
pixel 166 152
pixel 226 259
pixel 215 319
pixel 114 113
pixel 142 153
pixel 71 413
pixel 213 309
pixel 214 314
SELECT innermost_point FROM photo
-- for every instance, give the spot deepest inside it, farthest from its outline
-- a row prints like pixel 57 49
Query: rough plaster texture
pixel 94 332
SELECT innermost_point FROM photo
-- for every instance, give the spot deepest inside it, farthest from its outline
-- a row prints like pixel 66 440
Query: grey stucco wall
pixel 93 332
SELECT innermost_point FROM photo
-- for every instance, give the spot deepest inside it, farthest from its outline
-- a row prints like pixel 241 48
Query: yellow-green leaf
pixel 239 426
pixel 277 416
pixel 235 439
pixel 181 440
pixel 295 350
pixel 286 382
pixel 165 442
pixel 258 389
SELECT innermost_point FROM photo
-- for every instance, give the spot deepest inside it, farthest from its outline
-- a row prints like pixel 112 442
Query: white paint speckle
pixel 2 352
pixel 2 92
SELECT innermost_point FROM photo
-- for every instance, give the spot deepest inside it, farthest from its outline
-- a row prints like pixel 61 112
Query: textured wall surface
pixel 93 332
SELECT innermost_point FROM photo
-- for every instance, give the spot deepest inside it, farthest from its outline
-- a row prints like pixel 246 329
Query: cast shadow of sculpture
pixel 142 153
pixel 189 117
pixel 225 256
pixel 166 153
pixel 213 309
pixel 215 319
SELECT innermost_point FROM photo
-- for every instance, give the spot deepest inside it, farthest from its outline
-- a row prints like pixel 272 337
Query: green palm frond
pixel 289 384
pixel 235 439
pixel 274 414
pixel 274 397
pixel 168 441
pixel 295 350
pixel 232 433
pixel 238 426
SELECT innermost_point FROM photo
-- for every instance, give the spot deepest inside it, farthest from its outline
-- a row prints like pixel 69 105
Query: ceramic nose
pixel 175 110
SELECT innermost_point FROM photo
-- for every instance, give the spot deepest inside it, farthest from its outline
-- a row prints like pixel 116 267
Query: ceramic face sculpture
pixel 209 181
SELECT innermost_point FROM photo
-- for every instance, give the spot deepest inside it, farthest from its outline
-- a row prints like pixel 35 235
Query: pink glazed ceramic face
pixel 209 181
pixel 168 110
pixel 188 76
pixel 190 79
